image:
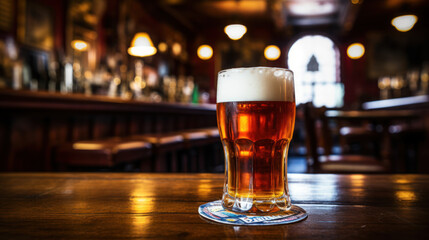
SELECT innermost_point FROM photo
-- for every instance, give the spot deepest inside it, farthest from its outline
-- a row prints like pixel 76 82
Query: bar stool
pixel 108 153
pixel 163 144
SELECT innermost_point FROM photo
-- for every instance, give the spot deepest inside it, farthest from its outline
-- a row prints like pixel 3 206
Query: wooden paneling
pixel 58 133
pixel 102 126
pixel 4 141
pixel 32 124
pixel 81 128
pixel 27 143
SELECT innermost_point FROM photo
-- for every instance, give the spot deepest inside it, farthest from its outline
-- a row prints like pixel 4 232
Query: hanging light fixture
pixel 272 52
pixel 205 52
pixel 404 23
pixel 355 50
pixel 79 45
pixel 141 46
pixel 235 31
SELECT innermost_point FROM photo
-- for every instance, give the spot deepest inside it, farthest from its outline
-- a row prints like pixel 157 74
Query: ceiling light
pixel 235 31
pixel 404 23
pixel 205 52
pixel 79 45
pixel 141 46
pixel 176 48
pixel 311 8
pixel 162 46
pixel 272 52
pixel 355 51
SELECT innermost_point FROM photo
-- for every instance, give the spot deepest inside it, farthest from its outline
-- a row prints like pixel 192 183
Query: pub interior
pixel 83 80
pixel 108 123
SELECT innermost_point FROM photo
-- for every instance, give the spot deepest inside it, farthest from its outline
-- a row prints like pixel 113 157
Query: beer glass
pixel 256 118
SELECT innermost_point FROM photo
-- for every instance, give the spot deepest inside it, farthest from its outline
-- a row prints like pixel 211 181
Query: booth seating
pixel 102 154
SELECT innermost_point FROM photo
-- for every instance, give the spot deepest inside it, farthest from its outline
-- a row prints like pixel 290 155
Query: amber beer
pixel 256 117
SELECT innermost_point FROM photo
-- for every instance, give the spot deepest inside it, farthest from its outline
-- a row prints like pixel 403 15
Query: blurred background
pixel 85 84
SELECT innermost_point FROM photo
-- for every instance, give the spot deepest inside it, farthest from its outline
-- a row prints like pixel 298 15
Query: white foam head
pixel 255 84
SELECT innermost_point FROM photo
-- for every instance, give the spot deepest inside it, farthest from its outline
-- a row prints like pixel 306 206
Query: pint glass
pixel 256 118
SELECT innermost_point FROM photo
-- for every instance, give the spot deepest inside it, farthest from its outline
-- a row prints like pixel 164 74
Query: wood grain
pixel 164 206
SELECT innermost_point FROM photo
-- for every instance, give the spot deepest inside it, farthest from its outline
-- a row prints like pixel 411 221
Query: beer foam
pixel 255 84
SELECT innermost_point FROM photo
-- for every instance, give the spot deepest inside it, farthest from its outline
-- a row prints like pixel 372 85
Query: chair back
pixel 310 136
pixel 318 135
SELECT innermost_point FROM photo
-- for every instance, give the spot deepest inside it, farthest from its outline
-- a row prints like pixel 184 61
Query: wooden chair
pixel 102 154
pixel 317 128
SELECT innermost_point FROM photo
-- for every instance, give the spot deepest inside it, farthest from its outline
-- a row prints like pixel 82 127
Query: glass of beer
pixel 256 118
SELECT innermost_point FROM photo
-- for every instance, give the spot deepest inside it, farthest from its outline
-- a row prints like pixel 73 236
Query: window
pixel 314 59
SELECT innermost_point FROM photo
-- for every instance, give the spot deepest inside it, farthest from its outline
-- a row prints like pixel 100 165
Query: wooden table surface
pixel 164 206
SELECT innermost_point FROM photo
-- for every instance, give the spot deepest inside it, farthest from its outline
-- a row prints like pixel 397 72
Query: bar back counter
pixel 32 124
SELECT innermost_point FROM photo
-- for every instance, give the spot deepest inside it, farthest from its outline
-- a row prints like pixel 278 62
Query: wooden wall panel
pixel 102 126
pixel 5 142
pixel 121 125
pixel 148 124
pixel 58 133
pixel 27 138
pixel 81 128
pixel 136 124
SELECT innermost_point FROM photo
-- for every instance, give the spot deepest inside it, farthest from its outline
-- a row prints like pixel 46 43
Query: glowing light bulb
pixel 355 50
pixel 205 52
pixel 162 47
pixel 404 23
pixel 177 49
pixel 272 52
pixel 79 45
pixel 235 31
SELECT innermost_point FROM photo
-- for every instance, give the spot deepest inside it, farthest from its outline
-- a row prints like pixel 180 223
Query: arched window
pixel 315 61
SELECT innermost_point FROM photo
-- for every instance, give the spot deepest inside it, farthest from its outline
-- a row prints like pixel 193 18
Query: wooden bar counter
pixel 33 124
pixel 164 206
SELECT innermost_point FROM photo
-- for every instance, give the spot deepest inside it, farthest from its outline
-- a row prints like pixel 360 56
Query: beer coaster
pixel 214 211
